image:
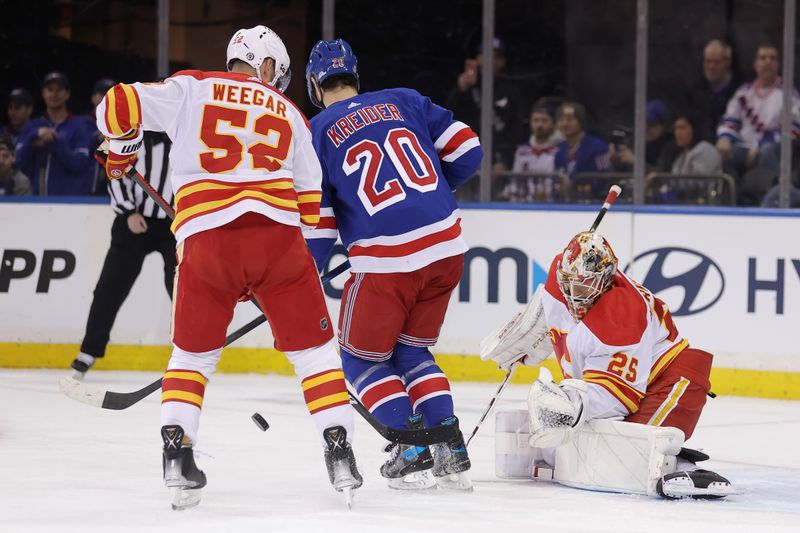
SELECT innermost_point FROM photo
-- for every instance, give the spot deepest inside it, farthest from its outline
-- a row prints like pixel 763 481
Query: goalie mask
pixel 253 46
pixel 329 58
pixel 585 272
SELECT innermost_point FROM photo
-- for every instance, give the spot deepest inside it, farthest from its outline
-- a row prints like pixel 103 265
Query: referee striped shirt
pixel 153 164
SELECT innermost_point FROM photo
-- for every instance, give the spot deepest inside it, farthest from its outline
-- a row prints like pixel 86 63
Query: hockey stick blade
pixel 97 397
pixel 420 437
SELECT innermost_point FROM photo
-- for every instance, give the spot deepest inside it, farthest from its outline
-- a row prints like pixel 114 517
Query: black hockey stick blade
pixel 420 437
pixel 97 397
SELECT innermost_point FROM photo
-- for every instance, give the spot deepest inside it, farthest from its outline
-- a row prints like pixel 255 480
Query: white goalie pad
pixel 603 455
pixel 524 335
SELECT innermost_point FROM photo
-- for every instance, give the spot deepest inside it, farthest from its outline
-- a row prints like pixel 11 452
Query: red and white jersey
pixel 753 115
pixel 535 157
pixel 239 146
pixel 623 344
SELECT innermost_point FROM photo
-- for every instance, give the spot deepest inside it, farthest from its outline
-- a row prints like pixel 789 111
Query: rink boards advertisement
pixel 731 279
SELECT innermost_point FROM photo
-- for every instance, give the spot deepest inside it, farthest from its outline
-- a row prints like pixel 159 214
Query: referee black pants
pixel 120 270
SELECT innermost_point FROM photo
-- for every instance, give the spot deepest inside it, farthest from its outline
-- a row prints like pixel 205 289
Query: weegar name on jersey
pixel 238 94
pixel 364 116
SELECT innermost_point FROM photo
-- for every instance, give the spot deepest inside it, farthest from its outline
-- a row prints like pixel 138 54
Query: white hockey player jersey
pixel 753 115
pixel 623 344
pixel 239 146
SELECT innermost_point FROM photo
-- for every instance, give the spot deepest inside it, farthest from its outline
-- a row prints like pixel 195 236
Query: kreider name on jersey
pixel 369 114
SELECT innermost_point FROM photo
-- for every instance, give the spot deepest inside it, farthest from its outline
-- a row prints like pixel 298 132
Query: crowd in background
pixel 720 125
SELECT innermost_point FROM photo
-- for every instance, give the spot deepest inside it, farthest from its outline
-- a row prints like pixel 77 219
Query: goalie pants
pixel 676 398
pixel 387 323
pixel 270 259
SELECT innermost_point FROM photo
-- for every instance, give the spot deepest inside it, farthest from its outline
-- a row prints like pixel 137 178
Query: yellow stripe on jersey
pixel 192 376
pixel 134 113
pixel 111 113
pixel 308 197
pixel 182 215
pixel 622 391
pixel 669 404
pixel 324 378
pixel 665 359
pixel 179 395
pixel 208 186
pixel 339 397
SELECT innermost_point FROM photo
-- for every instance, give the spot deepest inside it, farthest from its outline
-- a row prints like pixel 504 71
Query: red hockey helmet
pixel 585 272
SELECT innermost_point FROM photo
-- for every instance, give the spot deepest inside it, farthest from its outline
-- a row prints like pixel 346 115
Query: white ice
pixel 65 466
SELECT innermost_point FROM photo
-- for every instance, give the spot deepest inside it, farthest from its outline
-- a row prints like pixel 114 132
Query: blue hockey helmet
pixel 329 58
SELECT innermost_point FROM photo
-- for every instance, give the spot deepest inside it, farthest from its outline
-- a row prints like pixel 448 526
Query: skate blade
pixel 347 492
pixel 184 498
pixel 414 481
pixel 714 491
pixel 77 375
pixel 458 481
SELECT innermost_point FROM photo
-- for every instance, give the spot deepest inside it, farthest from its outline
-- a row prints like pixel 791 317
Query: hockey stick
pixel 613 193
pixel 492 401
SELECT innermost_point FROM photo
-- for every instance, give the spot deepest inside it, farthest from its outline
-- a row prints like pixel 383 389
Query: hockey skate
pixel 181 474
pixel 409 466
pixel 451 461
pixel 692 482
pixel 81 365
pixel 341 463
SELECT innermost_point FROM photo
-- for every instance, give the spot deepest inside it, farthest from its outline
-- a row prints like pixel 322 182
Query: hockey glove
pixel 554 410
pixel 122 154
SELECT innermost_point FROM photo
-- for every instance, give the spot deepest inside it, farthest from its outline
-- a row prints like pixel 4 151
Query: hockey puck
pixel 260 421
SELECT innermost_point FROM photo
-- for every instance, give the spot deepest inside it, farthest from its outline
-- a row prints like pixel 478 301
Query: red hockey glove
pixel 122 154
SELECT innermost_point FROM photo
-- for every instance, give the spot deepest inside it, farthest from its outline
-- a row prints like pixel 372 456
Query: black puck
pixel 260 421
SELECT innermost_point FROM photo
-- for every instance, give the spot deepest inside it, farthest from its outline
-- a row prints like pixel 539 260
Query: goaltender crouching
pixel 623 360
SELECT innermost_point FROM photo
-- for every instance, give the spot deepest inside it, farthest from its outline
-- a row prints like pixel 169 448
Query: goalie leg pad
pixel 617 456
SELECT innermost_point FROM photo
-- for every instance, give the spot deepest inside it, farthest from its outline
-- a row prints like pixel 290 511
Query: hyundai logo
pixel 687 281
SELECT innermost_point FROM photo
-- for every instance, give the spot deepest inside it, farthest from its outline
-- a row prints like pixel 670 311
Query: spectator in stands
pixel 579 152
pixel 749 132
pixel 711 93
pixel 696 155
pixel 53 150
pixel 659 151
pixel 12 181
pixel 20 107
pixel 773 196
pixel 538 155
pixel 465 101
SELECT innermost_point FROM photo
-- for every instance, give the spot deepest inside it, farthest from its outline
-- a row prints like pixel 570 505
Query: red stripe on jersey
pixel 176 227
pixel 408 248
pixel 123 109
pixel 214 195
pixel 428 385
pixel 327 223
pixel 375 394
pixel 457 140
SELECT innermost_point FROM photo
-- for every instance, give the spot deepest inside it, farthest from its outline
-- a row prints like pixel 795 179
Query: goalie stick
pixel 613 193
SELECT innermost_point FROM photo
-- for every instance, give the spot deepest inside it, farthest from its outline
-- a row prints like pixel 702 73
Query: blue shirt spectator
pixel 20 107
pixel 53 150
pixel 579 152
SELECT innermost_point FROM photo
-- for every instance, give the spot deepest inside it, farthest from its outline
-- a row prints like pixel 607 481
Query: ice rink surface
pixel 66 466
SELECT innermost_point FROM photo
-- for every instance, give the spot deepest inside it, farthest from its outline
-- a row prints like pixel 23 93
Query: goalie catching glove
pixel 555 411
pixel 523 338
pixel 122 154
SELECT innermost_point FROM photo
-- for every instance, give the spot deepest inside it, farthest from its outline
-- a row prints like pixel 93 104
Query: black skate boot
pixel 81 365
pixel 181 474
pixel 341 463
pixel 451 461
pixel 409 466
pixel 692 482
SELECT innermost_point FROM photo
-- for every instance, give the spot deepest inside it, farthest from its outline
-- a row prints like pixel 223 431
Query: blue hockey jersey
pixel 390 162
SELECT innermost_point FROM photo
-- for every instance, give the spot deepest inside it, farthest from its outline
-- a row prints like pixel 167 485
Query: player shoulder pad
pixel 619 317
